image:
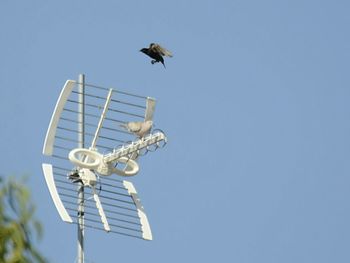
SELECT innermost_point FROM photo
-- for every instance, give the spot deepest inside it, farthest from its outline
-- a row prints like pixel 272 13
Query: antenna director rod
pixel 134 146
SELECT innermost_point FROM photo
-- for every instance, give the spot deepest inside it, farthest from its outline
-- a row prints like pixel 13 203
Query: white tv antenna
pixel 87 143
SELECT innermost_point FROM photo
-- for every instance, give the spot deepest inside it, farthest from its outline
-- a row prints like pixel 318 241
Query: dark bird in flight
pixel 156 52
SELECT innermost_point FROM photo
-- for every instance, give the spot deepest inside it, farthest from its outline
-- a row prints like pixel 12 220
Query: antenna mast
pixel 81 144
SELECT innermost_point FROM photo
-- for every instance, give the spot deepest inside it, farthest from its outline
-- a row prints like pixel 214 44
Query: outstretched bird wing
pixel 160 50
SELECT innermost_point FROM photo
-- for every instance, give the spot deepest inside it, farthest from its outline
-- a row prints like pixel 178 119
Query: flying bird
pixel 140 129
pixel 156 52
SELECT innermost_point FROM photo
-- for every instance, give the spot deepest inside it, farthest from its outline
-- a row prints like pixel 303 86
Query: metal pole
pixel 81 144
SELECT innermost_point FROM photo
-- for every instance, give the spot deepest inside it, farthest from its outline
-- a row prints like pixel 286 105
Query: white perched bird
pixel 138 128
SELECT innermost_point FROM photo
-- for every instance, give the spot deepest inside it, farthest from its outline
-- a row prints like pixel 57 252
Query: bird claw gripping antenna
pixel 115 131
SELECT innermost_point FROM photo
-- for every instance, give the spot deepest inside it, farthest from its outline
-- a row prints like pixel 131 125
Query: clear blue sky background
pixel 255 103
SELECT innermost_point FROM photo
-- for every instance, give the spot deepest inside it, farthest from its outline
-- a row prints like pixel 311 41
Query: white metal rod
pixel 103 115
pixel 100 211
pixel 81 140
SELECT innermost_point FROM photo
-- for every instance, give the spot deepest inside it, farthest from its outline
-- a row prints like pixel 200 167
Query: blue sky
pixel 255 104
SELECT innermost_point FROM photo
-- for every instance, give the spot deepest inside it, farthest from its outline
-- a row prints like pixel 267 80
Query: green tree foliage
pixel 18 226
